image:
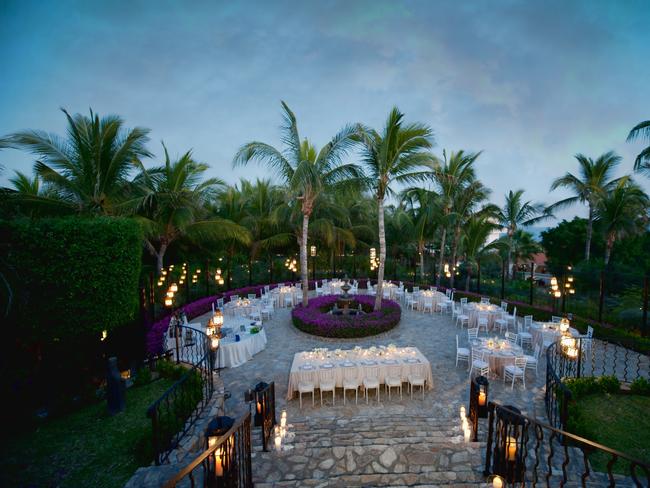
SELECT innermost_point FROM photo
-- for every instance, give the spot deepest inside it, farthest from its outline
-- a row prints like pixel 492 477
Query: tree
pixel 452 176
pixel 517 213
pixel 590 186
pixel 420 207
pixel 564 243
pixel 89 168
pixel 397 155
pixel 475 235
pixel 623 212
pixel 304 171
pixel 642 161
pixel 170 201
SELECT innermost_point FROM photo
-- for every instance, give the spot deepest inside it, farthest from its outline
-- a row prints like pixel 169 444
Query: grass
pixel 620 422
pixel 85 448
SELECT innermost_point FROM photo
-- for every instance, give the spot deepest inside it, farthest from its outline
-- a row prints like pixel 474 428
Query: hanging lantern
pixel 174 287
pixel 312 250
pixel 508 459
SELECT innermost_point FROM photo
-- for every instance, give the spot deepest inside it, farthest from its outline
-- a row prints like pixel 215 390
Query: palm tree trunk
pixel 441 261
pixel 304 269
pixel 159 254
pixel 454 250
pixel 478 275
pixel 590 229
pixel 382 253
pixel 421 250
pixel 608 248
pixel 510 244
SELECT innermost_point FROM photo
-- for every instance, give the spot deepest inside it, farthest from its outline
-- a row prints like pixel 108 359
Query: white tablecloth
pixel 499 353
pixel 475 309
pixel 307 365
pixel 546 333
pixel 232 354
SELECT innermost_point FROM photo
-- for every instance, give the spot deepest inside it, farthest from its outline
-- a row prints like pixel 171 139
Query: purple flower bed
pixel 155 339
pixel 315 319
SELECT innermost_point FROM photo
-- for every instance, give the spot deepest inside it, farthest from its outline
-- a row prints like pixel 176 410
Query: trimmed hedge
pixel 78 276
pixel 315 319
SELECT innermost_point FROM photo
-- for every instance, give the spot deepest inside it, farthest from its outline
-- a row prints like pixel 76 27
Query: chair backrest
pixel 416 289
pixel 555 319
pixel 463 301
pixel 537 352
pixel 512 337
pixel 299 286
pixel 520 328
pixel 417 370
pixel 451 296
pixel 220 302
pixel 234 298
pixel 252 296
pixel 372 372
pixel 485 300
pixel 504 305
pixel 326 374
pixel 478 355
pixel 266 288
pixel 472 333
pixel 447 292
pixel 395 371
pixel 368 285
pixel 483 317
pixel 456 341
pixel 434 288
pixel 590 331
pixel 528 320
pixel 350 373
pixel 280 285
pixel 520 362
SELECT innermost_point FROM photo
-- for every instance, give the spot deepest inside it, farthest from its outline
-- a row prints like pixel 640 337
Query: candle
pixel 284 414
pixel 511 448
pixel 259 407
pixel 462 411
pixel 218 462
pixel 481 398
pixel 283 432
pixel 497 482
pixel 467 433
pixel 283 422
pixel 278 442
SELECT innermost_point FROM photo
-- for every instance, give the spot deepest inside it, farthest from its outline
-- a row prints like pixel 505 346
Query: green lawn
pixel 85 448
pixel 620 422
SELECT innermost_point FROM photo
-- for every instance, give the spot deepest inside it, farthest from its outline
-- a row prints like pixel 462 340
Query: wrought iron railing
pixel 176 411
pixel 226 463
pixel 265 402
pixel 526 452
pixel 595 357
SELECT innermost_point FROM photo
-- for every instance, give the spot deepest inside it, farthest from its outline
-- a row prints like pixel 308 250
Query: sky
pixel 529 83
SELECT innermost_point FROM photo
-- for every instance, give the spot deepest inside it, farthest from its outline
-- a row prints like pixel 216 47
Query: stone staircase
pixel 381 450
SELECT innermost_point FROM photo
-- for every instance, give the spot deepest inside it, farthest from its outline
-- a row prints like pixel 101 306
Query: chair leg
pixel 313 400
pixel 300 396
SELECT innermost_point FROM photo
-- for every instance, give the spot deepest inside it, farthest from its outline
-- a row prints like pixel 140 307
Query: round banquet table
pixel 424 295
pixel 474 309
pixel 286 291
pixel 233 353
pixel 548 332
pixel 498 357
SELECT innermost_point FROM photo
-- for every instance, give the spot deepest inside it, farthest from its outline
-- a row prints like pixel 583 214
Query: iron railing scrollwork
pixel 265 398
pixel 526 452
pixel 225 464
pixel 595 357
pixel 176 411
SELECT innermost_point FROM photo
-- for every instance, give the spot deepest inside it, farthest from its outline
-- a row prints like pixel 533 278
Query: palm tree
pixel 394 156
pixel 420 208
pixel 475 235
pixel 89 169
pixel 590 185
pixel 641 130
pixel 518 213
pixel 451 175
pixel 171 203
pixel 304 171
pixel 621 213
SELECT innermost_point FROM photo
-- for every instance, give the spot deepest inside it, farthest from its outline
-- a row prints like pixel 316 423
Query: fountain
pixel 345 301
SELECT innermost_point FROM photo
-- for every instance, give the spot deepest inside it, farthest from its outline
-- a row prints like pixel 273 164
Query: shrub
pixel 609 384
pixel 640 386
pixel 315 319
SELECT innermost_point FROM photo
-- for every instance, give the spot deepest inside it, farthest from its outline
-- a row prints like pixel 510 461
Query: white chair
pixel 462 319
pixel 319 290
pixel 234 298
pixel 219 302
pixel 435 288
pixel 448 292
pixel 351 382
pixel 462 353
pixel 255 314
pixel 267 308
pixel 504 306
pixel 501 322
pixel 512 318
pixel 456 309
pixel 528 321
pixel 327 383
pixel 479 364
pixel 463 301
pixel 416 378
pixel 555 319
pixel 512 338
pixel 288 300
pixel 267 288
pixel 394 379
pixel 482 321
pixel 371 289
pixel 371 382
pixel 307 385
pixel 416 289
pixel 472 334
pixel 427 304
pixel 485 300
pixel 525 338
pixel 533 361
pixel 515 371
pixel 443 305
pixel 252 296
pixel 410 301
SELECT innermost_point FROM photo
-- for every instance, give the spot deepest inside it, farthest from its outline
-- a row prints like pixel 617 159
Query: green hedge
pixel 78 276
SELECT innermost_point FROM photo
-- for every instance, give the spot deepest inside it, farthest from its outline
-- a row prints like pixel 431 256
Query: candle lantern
pixel 260 403
pixel 224 462
pixel 508 457
pixel 312 251
pixel 478 400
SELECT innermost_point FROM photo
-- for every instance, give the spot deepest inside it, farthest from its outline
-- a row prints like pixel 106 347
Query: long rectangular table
pixel 307 365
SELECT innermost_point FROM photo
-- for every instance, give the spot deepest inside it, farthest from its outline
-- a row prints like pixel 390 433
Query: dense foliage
pixel 316 319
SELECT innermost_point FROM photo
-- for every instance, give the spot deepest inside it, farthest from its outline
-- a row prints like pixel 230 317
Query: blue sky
pixel 529 83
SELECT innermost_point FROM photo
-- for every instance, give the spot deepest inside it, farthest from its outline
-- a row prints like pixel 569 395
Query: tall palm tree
pixel 623 212
pixel 421 206
pixel 171 201
pixel 641 130
pixel 452 176
pixel 516 213
pixel 590 185
pixel 475 235
pixel 90 167
pixel 304 171
pixel 396 155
